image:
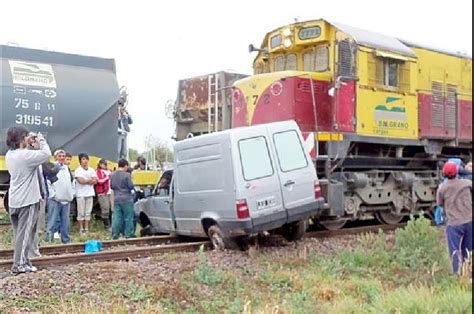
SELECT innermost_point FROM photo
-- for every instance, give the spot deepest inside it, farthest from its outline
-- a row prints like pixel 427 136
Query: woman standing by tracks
pixel 24 193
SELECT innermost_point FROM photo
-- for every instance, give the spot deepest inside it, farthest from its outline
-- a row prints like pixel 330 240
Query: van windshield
pixel 255 158
pixel 290 152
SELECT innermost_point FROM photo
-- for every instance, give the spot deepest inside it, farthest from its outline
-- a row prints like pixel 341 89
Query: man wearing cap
pixel 60 200
pixel 456 197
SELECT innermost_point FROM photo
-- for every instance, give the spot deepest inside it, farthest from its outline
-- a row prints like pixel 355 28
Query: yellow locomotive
pixel 379 114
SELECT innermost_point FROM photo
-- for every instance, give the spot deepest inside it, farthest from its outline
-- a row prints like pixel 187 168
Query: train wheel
pixel 332 225
pixel 430 214
pixel 386 217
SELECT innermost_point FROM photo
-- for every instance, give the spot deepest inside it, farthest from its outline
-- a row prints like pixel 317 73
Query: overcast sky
pixel 156 43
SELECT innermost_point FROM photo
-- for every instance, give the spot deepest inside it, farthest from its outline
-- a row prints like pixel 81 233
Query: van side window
pixel 290 152
pixel 255 158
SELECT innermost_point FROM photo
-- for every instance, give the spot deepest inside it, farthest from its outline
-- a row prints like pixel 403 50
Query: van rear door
pixel 295 168
pixel 257 178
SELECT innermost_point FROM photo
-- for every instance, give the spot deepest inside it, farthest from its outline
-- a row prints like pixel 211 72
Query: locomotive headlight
pixel 287 32
pixel 288 43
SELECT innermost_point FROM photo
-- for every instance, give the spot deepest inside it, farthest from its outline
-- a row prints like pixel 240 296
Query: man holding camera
pixel 24 193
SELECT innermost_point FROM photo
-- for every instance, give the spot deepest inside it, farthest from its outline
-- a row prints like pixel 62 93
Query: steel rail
pixel 352 231
pixel 4 225
pixel 80 247
pixel 105 256
pixel 146 251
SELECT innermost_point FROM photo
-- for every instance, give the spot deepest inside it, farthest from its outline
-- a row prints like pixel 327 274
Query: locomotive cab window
pixel 286 63
pixel 308 61
pixel 291 63
pixel 316 60
pixel 391 73
pixel 322 59
pixel 279 64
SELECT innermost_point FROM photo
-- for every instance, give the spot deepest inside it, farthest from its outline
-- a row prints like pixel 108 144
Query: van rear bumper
pixel 236 228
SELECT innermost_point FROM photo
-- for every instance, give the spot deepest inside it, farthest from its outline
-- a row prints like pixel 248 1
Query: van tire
pixel 219 241
pixel 294 231
pixel 147 231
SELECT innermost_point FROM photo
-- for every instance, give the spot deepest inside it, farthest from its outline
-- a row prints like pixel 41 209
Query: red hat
pixel 450 169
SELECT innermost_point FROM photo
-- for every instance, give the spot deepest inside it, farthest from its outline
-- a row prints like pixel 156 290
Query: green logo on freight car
pixel 32 74
pixel 391 115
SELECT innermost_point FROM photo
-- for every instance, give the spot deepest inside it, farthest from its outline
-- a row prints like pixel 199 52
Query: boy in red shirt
pixel 104 193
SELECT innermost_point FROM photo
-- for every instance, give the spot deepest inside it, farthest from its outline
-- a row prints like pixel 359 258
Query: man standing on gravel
pixel 86 178
pixel 456 198
pixel 60 201
pixel 24 192
pixel 121 183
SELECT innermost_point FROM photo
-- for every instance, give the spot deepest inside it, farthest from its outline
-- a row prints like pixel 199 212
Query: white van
pixel 233 184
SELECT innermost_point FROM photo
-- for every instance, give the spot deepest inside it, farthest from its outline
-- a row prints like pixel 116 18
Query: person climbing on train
pixel 124 122
pixel 121 183
pixel 24 192
pixel 456 197
pixel 104 193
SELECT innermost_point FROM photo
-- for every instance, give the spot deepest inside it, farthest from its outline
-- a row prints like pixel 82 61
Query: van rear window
pixel 290 152
pixel 255 158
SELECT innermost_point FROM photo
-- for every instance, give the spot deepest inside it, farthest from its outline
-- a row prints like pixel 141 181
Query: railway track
pixel 4 225
pixel 139 252
pixel 72 253
pixel 355 230
pixel 79 247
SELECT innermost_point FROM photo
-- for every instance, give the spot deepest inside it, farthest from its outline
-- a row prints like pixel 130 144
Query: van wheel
pixel 147 231
pixel 294 231
pixel 219 240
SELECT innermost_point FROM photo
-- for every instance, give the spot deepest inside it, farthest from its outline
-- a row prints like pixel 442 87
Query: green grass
pixel 411 274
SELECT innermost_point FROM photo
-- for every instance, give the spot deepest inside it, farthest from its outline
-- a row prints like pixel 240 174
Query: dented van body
pixel 239 182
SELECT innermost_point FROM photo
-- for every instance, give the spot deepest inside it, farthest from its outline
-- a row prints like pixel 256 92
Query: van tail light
pixel 243 210
pixel 317 190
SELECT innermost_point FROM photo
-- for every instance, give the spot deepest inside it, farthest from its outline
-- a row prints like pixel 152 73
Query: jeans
pixel 122 141
pixel 459 243
pixel 49 213
pixel 61 212
pixel 123 213
pixel 124 226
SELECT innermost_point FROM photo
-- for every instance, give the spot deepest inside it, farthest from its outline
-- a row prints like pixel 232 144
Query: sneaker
pixel 82 231
pixel 24 269
pixel 17 270
pixel 57 236
pixel 86 231
pixel 31 269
